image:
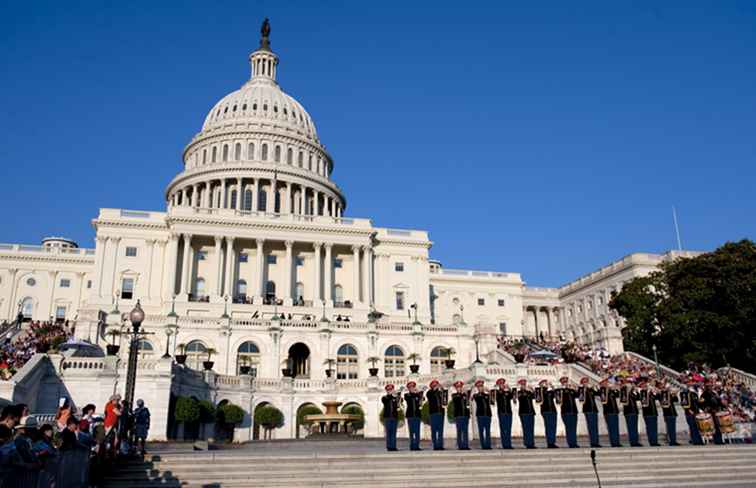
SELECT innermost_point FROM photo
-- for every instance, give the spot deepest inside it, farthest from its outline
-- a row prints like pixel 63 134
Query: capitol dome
pixel 258 153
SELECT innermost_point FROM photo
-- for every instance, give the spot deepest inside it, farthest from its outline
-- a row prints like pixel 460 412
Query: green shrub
pixel 355 410
pixel 450 412
pixel 269 417
pixel 187 410
pixel 207 411
pixel 425 413
pixel 400 419
pixel 307 410
pixel 229 413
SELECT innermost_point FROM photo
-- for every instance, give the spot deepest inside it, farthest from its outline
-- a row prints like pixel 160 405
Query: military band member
pixel 587 394
pixel 461 402
pixel 482 400
pixel 691 404
pixel 414 400
pixel 712 404
pixel 525 396
pixel 504 397
pixel 629 399
pixel 390 416
pixel 667 400
pixel 609 396
pixel 548 412
pixel 566 396
pixel 650 413
pixel 435 397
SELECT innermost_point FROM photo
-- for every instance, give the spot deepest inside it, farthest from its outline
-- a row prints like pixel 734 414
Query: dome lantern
pixel 263 62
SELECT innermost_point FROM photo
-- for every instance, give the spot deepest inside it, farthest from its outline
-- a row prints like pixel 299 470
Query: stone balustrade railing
pixel 24 248
pixel 742 377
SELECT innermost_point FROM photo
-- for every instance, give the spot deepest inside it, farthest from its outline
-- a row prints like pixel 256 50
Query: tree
pixel 269 417
pixel 355 409
pixel 399 417
pixel 188 413
pixel 305 411
pixel 699 309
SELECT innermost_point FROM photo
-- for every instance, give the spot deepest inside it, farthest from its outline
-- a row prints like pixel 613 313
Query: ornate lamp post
pixel 656 360
pixel 137 317
pixel 476 338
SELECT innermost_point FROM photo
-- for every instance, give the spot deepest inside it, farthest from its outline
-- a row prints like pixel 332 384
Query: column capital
pixel 80 274
pixel 187 237
pixel 289 244
pixel 317 244
pixel 260 242
pixel 149 242
pixel 328 245
pixel 230 240
pixel 115 239
pixel 356 248
pixel 102 238
pixel 218 240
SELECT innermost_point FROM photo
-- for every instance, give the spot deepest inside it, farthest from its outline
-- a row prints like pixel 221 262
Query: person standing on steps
pixel 609 397
pixel 567 396
pixel 648 398
pixel 482 400
pixel 414 402
pixel 587 395
pixel 504 397
pixel 667 400
pixel 390 416
pixel 525 396
pixel 141 425
pixel 436 402
pixel 545 396
pixel 629 399
pixel 461 403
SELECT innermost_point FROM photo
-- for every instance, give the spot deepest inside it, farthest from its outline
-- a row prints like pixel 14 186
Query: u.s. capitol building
pixel 256 258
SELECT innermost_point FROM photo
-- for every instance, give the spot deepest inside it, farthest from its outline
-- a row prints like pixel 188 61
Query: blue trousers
pixel 414 432
pixel 484 432
pixel 695 434
pixel 652 429
pixel 505 431
pixel 390 426
pixel 612 425
pixel 570 429
pixel 550 425
pixel 463 435
pixel 631 421
pixel 671 423
pixel 591 420
pixel 437 430
pixel 528 424
pixel 717 431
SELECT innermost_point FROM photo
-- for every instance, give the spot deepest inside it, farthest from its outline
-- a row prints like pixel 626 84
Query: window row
pixel 262 109
pixel 263 152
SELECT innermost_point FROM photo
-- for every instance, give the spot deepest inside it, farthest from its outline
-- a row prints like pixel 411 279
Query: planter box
pixel 414 368
pixel 180 358
pixel 244 369
pixel 449 363
pixel 286 372
pixel 208 365
pixel 373 371
pixel 112 350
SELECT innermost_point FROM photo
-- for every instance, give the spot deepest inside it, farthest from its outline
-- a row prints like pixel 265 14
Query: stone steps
pixel 642 467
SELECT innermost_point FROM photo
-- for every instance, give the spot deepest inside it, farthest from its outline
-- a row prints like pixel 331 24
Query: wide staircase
pixel 352 465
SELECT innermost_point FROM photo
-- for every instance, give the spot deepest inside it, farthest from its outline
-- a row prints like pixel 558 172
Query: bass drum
pixel 705 424
pixel 726 425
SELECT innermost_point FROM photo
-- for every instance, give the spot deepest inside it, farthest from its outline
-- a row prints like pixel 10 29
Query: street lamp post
pixel 656 360
pixel 137 317
pixel 476 338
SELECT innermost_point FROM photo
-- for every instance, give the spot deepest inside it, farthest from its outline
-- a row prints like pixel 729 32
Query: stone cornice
pixel 49 258
pixel 262 133
pixel 130 224
pixel 405 243
pixel 272 225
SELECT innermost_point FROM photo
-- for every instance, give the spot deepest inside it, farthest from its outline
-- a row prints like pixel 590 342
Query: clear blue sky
pixel 548 139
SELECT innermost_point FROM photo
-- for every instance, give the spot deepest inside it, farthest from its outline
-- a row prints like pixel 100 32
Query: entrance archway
pixel 299 359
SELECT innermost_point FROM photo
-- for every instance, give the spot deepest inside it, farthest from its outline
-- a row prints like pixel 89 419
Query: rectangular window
pixel 131 251
pixel 127 288
pixel 299 261
pixel 399 267
pixel 243 257
pixel 89 284
pixel 338 263
pixel 65 283
pixel 503 328
pixel 400 300
pixel 271 258
pixel 201 255
pixel 60 313
pixel 481 302
pixel 501 302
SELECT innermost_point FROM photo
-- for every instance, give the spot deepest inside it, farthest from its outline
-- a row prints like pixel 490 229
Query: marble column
pixel 230 262
pixel 260 282
pixel 169 282
pixel 186 267
pixel 288 267
pixel 287 207
pixel 328 284
pixel 53 277
pixel 116 241
pixel 366 296
pixel 356 271
pixel 151 243
pixel 239 194
pixel 223 194
pixel 218 289
pixel 100 248
pixel 316 296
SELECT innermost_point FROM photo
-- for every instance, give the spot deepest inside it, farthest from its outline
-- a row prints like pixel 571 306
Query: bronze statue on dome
pixel 265 33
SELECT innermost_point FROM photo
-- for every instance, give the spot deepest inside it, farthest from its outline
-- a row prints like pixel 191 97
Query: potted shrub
pixel 355 409
pixel 269 418
pixel 228 415
pixel 519 354
pixel 399 419
pixel 208 365
pixel 449 362
pixel 304 412
pixel 187 413
pixel 113 348
pixel 181 358
pixel 329 370
pixel 373 370
pixel 244 367
pixel 414 367
pixel 286 370
pixel 206 415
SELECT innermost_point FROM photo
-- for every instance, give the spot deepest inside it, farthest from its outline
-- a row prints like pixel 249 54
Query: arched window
pixel 289 156
pixel 241 288
pixel 145 349
pixel 270 290
pixel 299 292
pixel 215 153
pixel 27 307
pixel 262 200
pixel 277 154
pixel 248 355
pixel 196 353
pixel 247 202
pixel 277 203
pixel 394 362
pixel 438 356
pixel 264 152
pixel 237 152
pixel 346 363
pixel 199 288
pixel 251 151
pixel 225 152
pixel 233 199
pixel 338 296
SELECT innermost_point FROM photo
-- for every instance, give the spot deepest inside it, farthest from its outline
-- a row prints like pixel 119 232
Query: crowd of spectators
pixel 74 449
pixel 16 348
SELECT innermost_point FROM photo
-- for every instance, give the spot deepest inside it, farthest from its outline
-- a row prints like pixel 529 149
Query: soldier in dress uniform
pixel 548 412
pixel 482 400
pixel 567 396
pixel 712 404
pixel 390 416
pixel 461 403
pixel 667 400
pixel 609 397
pixel 691 404
pixel 629 398
pixel 504 397
pixel 414 401
pixel 435 397
pixel 525 396
pixel 648 398
pixel 587 395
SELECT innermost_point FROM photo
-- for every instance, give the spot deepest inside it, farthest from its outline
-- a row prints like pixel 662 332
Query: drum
pixel 705 424
pixel 726 425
